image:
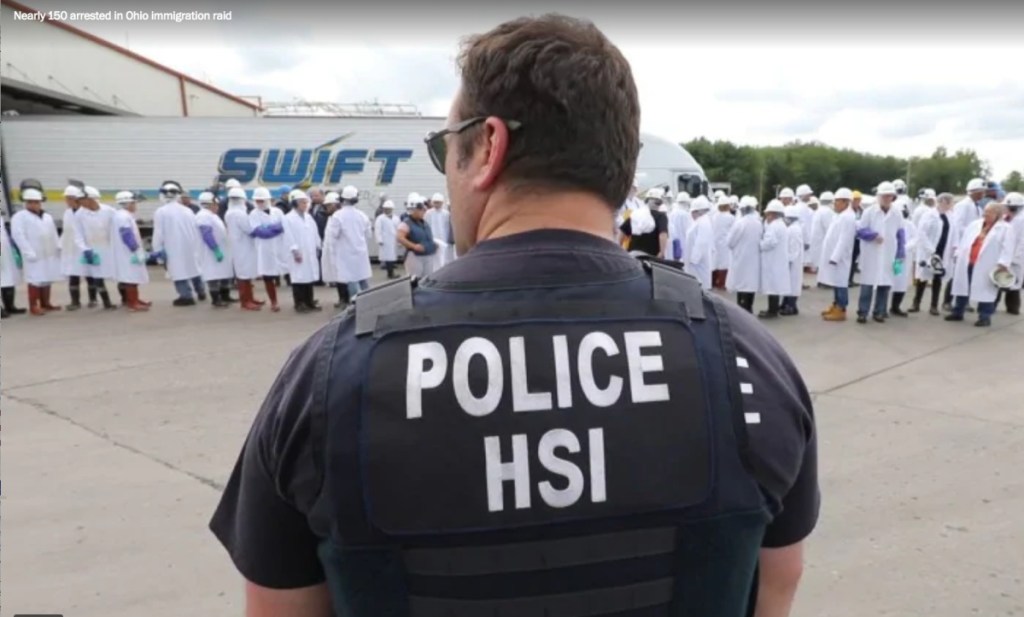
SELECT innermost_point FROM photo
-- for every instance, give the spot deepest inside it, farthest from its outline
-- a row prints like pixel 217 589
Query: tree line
pixel 763 170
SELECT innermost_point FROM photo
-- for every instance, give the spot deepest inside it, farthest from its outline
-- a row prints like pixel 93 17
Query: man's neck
pixel 508 214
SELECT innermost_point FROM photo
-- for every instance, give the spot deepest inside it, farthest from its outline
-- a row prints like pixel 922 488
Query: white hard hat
pixel 414 198
pixel 1002 279
pixel 719 193
pixel 655 193
pixel 124 197
pixel 92 193
pixel 32 195
pixel 236 193
pixel 700 204
pixel 169 187
pixel 827 197
pixel 843 193
pixel 977 184
pixel 899 183
pixel 437 197
pixel 885 188
pixel 929 193
pixel 748 201
pixel 261 193
pixel 297 194
pixel 734 199
pixel 73 192
pixel 791 212
pixel 1013 199
pixel 775 206
pixel 206 197
pixel 803 190
pixel 683 197
pixel 349 192
pixel 388 205
pixel 723 200
pixel 786 192
pixel 232 183
pixel 332 198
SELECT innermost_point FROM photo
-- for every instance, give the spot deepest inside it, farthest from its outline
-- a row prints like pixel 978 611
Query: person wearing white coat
pixel 774 246
pixel 267 223
pixel 215 252
pixel 987 245
pixel 700 242
pixel 901 279
pixel 934 242
pixel 722 222
pixel 327 256
pixel 302 238
pixel 94 234
pixel 1014 203
pixel 743 244
pixel 440 221
pixel 679 223
pixel 820 223
pixel 385 228
pixel 880 231
pixel 176 243
pixel 969 209
pixel 71 265
pixel 10 274
pixel 805 208
pixel 836 259
pixel 128 254
pixel 35 234
pixel 242 240
pixel 352 232
pixel 795 256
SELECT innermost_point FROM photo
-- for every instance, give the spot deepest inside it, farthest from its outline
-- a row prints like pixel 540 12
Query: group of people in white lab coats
pixel 204 253
pixel 896 246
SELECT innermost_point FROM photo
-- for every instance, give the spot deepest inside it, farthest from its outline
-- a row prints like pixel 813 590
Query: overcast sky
pixel 901 85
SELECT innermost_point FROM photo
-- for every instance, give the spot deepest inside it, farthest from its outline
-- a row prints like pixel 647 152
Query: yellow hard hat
pixel 857 195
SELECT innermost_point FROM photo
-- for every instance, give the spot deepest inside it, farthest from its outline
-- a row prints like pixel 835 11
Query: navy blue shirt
pixel 262 516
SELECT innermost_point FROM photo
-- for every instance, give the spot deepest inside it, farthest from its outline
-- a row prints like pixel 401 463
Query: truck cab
pixel 666 164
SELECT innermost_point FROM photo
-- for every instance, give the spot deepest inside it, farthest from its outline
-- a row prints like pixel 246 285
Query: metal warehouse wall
pixel 49 56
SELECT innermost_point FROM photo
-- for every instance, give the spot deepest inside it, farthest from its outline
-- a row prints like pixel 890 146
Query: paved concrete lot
pixel 119 429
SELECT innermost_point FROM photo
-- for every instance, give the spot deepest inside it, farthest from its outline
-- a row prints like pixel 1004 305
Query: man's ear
pixel 494 149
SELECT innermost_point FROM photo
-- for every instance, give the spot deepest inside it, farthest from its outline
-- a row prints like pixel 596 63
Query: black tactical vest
pixel 543 457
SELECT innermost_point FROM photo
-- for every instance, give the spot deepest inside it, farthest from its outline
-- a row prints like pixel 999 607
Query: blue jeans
pixel 881 299
pixel 841 296
pixel 185 290
pixel 354 288
pixel 985 309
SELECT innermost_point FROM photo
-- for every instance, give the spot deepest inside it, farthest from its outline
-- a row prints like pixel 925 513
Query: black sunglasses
pixel 437 147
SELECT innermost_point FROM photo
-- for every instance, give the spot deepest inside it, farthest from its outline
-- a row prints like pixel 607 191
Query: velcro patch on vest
pixel 496 426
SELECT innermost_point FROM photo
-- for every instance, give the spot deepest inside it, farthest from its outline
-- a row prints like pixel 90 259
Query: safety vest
pixel 420 233
pixel 536 455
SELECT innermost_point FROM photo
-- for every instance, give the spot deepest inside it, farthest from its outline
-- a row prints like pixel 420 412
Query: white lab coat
pixel 775 259
pixel 964 213
pixel 1017 267
pixel 876 260
pixel 820 223
pixel 838 247
pixel 95 231
pixel 351 233
pixel 901 281
pixel 795 255
pixel 743 243
pixel 721 225
pixel 212 269
pixel 36 237
pixel 125 270
pixel 385 229
pixel 700 249
pixel 10 274
pixel 679 223
pixel 440 225
pixel 70 257
pixel 929 232
pixel 243 245
pixel 997 249
pixel 175 233
pixel 302 235
pixel 806 223
pixel 327 257
pixel 270 253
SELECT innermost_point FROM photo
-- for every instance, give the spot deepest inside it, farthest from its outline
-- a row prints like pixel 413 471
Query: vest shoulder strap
pixel 390 297
pixel 671 283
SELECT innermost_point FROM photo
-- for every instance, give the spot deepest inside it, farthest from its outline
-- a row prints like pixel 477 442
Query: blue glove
pixel 88 256
pixel 135 259
pixel 219 254
pixel 159 256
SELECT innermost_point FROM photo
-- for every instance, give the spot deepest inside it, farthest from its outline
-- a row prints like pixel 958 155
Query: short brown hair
pixel 573 92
